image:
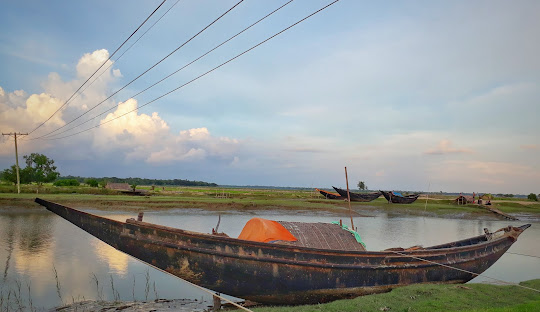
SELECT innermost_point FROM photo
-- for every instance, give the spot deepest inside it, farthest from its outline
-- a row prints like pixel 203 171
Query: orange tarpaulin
pixel 262 230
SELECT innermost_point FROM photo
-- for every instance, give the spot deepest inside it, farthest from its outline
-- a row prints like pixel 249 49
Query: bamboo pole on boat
pixel 349 198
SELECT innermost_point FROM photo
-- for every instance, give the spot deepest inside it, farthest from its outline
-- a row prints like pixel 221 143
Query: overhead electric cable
pixel 127 49
pixel 204 74
pixel 65 103
pixel 163 79
pixel 142 74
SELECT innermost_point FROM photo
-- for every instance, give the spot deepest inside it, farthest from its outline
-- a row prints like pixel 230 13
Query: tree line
pixel 139 181
pixel 41 169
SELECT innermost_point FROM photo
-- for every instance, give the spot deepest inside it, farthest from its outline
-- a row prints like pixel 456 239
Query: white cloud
pixel 21 112
pixel 148 138
pixel 135 136
pixel 117 73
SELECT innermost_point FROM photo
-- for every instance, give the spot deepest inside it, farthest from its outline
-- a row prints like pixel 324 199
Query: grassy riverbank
pixel 468 297
pixel 223 199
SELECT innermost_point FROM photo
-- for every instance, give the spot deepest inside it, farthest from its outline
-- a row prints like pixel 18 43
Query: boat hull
pixel 329 195
pixel 399 199
pixel 281 274
pixel 359 197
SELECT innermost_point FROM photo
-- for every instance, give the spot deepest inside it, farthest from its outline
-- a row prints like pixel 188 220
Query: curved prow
pixel 524 227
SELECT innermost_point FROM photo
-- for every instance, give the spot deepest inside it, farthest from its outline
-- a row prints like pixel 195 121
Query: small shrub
pixel 92 182
pixel 67 182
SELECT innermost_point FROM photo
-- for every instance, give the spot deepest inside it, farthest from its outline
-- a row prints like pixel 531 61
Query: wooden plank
pixel 498 212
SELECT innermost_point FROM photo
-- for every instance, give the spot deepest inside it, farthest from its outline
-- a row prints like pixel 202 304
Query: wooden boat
pixel 330 195
pixel 277 273
pixel 397 199
pixel 360 197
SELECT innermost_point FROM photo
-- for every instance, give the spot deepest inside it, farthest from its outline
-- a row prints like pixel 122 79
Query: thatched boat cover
pixel 322 236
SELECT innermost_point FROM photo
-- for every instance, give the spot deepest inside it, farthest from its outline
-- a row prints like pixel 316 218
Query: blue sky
pixel 408 95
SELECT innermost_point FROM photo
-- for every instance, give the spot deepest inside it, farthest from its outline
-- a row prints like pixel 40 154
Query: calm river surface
pixel 35 242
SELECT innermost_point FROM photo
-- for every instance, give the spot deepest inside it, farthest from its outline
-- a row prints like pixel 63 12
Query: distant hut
pixel 118 186
pixel 463 200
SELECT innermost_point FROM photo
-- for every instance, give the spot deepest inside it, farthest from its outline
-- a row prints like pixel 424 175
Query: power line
pixel 206 73
pixel 163 79
pixel 105 70
pixel 139 76
pixel 66 102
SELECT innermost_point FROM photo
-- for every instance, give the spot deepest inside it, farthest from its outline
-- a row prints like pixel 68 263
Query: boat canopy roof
pixel 263 230
pixel 313 235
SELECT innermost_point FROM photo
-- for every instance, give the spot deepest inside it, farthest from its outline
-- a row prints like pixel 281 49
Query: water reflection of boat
pixel 397 198
pixel 283 274
pixel 330 195
pixel 361 197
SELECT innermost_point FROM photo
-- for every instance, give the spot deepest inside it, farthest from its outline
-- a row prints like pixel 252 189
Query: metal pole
pixel 349 198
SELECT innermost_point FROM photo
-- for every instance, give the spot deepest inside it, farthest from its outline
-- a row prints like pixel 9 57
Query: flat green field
pixel 212 198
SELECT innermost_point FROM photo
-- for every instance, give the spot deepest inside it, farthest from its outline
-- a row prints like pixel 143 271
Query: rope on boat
pixel 519 254
pixel 462 270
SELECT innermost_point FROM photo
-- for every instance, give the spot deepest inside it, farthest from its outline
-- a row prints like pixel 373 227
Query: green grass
pixel 469 297
pixel 241 199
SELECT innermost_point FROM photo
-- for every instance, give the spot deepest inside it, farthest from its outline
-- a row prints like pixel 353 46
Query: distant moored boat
pixel 392 197
pixel 330 195
pixel 360 197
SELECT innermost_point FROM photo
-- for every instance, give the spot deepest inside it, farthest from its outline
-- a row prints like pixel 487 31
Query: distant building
pixel 118 186
pixel 463 200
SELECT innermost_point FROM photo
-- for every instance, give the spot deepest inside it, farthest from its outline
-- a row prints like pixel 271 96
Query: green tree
pixel 532 196
pixel 10 175
pixel 362 186
pixel 42 168
pixel 133 187
pixel 92 182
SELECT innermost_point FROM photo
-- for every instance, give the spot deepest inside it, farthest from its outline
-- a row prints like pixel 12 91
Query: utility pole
pixel 16 158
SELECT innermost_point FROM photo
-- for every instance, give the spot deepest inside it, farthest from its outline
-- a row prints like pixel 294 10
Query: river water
pixel 48 261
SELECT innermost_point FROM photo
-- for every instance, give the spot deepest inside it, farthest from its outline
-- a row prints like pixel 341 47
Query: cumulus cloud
pixel 125 133
pixel 445 147
pixel 21 112
pixel 149 138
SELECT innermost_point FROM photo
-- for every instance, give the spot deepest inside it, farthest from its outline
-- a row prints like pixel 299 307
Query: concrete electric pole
pixel 16 158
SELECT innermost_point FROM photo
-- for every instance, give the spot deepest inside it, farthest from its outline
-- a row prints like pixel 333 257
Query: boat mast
pixel 349 198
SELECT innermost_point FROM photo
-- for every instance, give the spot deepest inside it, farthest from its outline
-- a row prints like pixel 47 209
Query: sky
pixel 416 95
